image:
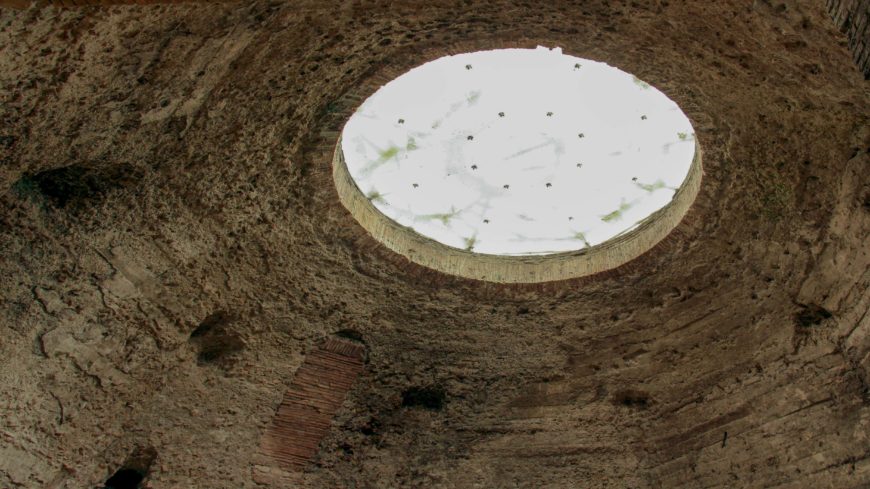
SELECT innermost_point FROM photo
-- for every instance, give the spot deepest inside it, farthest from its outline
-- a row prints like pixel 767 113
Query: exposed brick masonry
pixel 853 18
pixel 318 390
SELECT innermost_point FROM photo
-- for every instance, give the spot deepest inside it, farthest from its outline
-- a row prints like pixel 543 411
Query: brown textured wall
pixel 853 18
pixel 162 171
pixel 15 3
pixel 20 4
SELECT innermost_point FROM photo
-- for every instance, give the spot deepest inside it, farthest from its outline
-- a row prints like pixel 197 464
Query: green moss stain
pixel 685 136
pixel 376 196
pixel 473 97
pixel 651 187
pixel 389 153
pixel 617 214
pixel 582 237
pixel 384 155
pixel 470 242
pixel 445 218
pixel 642 84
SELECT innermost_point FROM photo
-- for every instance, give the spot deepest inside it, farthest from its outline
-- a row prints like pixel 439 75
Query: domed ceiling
pixel 188 300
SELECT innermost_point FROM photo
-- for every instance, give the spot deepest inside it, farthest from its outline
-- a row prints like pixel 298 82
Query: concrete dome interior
pixel 188 303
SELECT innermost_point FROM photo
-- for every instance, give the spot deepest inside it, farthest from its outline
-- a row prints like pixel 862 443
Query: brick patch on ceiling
pixel 318 390
pixel 853 18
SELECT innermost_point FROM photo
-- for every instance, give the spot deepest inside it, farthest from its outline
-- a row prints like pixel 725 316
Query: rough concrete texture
pixel 22 4
pixel 161 169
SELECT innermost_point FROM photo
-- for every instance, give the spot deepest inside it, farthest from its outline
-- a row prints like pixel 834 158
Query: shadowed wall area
pixel 174 252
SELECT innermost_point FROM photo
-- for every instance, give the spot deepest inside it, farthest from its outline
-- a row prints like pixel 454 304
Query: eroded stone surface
pixel 221 108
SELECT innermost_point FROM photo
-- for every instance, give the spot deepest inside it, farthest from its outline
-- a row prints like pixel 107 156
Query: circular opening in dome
pixel 518 165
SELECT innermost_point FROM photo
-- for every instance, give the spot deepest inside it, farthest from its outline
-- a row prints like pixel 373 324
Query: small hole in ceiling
pixel 430 397
pixel 134 471
pixel 125 479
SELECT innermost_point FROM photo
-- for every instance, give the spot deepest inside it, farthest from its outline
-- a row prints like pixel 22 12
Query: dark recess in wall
pixel 216 339
pixel 431 397
pixel 134 470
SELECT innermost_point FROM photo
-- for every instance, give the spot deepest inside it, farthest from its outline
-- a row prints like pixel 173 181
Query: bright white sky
pixel 483 151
